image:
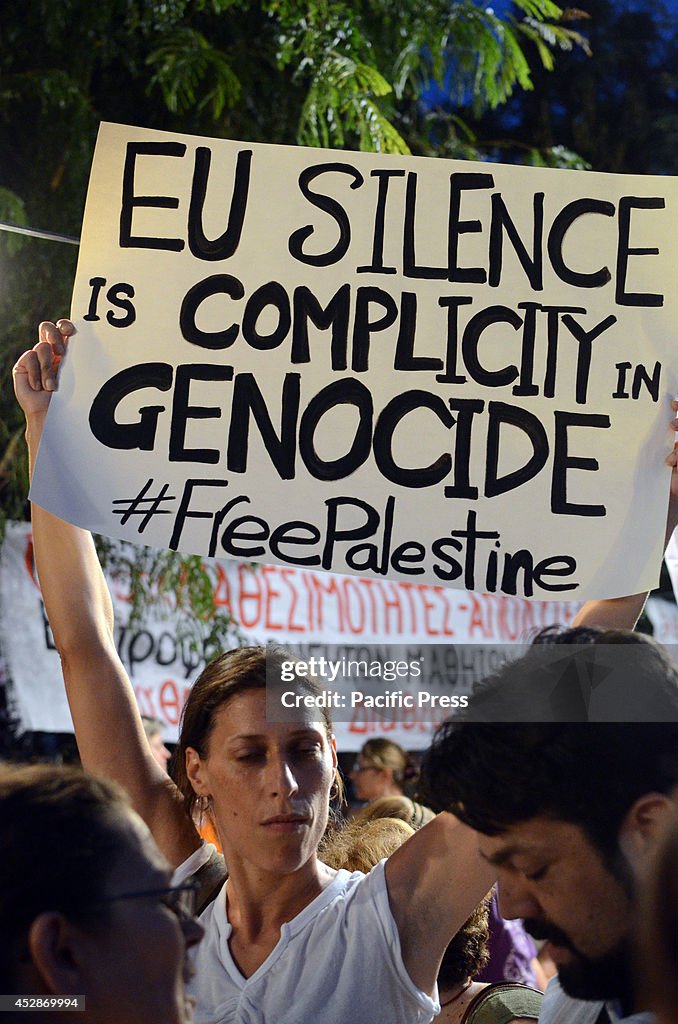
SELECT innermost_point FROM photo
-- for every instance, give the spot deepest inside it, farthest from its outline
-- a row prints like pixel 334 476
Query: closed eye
pixel 308 749
pixel 536 876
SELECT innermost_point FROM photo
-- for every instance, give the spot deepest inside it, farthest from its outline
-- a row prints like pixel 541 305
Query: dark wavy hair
pixel 469 950
pixel 497 772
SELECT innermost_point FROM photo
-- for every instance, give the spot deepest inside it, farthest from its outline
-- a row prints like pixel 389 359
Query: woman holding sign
pixel 283 917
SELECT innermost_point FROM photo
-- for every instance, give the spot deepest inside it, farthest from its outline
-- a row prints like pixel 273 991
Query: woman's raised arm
pixel 435 881
pixel 107 723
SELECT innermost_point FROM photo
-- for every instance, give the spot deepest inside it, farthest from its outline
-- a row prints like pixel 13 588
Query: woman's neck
pixel 261 901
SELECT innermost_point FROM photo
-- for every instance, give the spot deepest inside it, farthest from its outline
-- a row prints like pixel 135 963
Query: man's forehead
pixel 536 836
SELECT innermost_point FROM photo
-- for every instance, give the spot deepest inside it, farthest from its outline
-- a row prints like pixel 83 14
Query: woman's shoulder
pixel 206 870
pixel 503 1002
pixel 209 880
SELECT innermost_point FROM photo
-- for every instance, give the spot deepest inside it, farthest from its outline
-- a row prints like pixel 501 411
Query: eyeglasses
pixel 182 900
pixel 358 767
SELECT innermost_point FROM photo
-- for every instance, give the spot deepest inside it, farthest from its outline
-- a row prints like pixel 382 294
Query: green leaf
pixel 540 9
pixel 193 74
pixel 341 101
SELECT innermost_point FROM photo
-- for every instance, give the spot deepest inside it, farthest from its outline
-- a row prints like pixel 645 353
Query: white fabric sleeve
pixel 376 882
pixel 193 863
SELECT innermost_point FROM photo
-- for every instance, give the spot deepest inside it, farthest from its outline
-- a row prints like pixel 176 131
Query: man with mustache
pixel 564 764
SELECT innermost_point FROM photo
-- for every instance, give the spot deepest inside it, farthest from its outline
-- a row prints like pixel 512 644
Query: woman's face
pixel 268 783
pixel 370 782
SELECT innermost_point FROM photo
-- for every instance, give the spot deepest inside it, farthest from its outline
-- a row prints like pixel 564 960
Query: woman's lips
pixel 285 823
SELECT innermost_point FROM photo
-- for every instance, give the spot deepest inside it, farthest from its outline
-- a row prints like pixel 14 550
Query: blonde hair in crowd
pixel 382 753
pixel 409 811
pixel 359 845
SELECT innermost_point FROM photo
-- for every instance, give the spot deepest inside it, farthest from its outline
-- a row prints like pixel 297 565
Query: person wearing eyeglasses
pixel 380 770
pixel 90 924
pixel 283 923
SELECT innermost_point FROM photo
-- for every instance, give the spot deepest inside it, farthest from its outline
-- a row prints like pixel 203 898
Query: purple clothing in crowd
pixel 511 950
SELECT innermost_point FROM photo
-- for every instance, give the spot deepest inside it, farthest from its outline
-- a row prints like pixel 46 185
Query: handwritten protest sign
pixel 418 369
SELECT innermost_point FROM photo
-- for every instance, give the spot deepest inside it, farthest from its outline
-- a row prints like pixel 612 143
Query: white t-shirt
pixel 337 962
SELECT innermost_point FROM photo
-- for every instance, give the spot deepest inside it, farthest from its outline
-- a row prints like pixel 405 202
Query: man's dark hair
pixel 498 771
pixel 60 834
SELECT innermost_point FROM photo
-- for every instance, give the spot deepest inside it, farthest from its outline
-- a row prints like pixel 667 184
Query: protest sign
pixel 323 615
pixel 434 371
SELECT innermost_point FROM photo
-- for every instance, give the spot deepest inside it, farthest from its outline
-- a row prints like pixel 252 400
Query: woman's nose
pixel 282 778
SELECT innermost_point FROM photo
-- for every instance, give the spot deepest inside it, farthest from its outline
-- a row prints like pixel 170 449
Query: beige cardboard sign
pixel 434 371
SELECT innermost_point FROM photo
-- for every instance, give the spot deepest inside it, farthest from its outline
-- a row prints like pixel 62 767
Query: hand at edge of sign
pixel 35 372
